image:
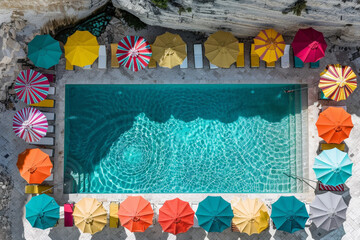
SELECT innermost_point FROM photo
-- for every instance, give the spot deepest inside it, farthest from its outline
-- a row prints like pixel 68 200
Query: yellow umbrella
pixel 269 45
pixel 169 50
pixel 222 49
pixel 81 48
pixel 89 215
pixel 250 215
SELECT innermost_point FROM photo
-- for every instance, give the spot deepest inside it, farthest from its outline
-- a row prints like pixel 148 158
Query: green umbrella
pixel 42 211
pixel 214 214
pixel 289 214
pixel 44 51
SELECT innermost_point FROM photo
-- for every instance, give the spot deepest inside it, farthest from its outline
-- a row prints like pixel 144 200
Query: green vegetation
pixel 296 8
pixel 182 9
pixel 163 4
pixel 131 20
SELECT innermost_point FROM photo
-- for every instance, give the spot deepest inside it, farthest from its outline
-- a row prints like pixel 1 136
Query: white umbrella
pixel 328 211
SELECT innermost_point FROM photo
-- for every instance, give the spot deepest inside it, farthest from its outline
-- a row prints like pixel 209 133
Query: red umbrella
pixel 176 216
pixel 309 45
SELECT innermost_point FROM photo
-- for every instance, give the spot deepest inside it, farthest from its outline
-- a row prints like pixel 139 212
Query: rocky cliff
pixel 337 19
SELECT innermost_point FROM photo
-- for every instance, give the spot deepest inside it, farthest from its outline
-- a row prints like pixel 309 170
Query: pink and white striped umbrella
pixel 30 124
pixel 31 86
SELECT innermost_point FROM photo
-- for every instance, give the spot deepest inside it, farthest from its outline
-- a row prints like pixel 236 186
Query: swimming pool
pixel 181 138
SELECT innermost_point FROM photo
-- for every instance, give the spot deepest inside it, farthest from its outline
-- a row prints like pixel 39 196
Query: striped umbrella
pixel 133 52
pixel 337 82
pixel 31 86
pixel 269 45
pixel 30 124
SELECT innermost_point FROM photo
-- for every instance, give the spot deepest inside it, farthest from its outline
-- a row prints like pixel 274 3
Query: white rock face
pixel 335 18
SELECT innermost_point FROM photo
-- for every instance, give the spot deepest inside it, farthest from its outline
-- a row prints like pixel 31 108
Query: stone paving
pixel 11 146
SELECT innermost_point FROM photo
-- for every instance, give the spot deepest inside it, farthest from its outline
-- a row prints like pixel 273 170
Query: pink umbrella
pixel 30 124
pixel 31 86
pixel 309 45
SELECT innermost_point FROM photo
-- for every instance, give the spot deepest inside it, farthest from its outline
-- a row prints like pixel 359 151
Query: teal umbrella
pixel 333 167
pixel 214 214
pixel 289 214
pixel 44 51
pixel 42 211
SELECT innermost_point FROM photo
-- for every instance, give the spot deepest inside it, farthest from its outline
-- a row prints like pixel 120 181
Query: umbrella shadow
pixel 318 151
pixel 106 232
pixel 301 235
pixel 61 232
pixel 318 233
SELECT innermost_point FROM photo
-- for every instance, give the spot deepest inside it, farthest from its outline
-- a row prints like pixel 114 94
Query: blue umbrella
pixel 289 214
pixel 42 211
pixel 214 214
pixel 44 51
pixel 333 167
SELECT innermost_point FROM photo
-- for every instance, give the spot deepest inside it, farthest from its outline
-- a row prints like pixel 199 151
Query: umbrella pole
pixel 304 180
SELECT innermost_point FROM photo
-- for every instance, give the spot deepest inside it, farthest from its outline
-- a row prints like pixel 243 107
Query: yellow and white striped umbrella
pixel 269 45
pixel 250 215
pixel 337 82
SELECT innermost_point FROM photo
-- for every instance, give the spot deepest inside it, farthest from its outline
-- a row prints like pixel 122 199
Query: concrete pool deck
pixel 10 144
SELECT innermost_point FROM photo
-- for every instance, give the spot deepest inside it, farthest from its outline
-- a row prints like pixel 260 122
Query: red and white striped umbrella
pixel 30 124
pixel 31 86
pixel 133 52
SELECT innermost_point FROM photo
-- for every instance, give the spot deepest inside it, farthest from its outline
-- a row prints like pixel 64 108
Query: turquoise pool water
pixel 181 138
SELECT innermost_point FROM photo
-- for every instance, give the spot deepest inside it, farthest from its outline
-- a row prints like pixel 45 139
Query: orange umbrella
pixel 176 216
pixel 334 125
pixel 136 214
pixel 34 165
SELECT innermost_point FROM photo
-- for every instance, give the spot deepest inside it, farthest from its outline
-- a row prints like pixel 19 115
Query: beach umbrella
pixel 30 124
pixel 81 48
pixel 169 50
pixel 328 211
pixel 133 52
pixel 136 214
pixel 289 214
pixel 334 125
pixel 89 215
pixel 309 45
pixel 250 215
pixel 333 167
pixel 176 216
pixel 34 165
pixel 31 86
pixel 337 82
pixel 269 45
pixel 222 49
pixel 42 211
pixel 44 51
pixel 214 214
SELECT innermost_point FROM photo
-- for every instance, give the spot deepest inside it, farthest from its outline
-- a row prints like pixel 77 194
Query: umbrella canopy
pixel 250 215
pixel 309 45
pixel 30 124
pixel 214 214
pixel 133 52
pixel 334 125
pixel 81 48
pixel 333 167
pixel 34 165
pixel 169 50
pixel 222 49
pixel 176 216
pixel 136 214
pixel 269 45
pixel 289 214
pixel 42 211
pixel 328 211
pixel 337 82
pixel 44 51
pixel 89 215
pixel 31 86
